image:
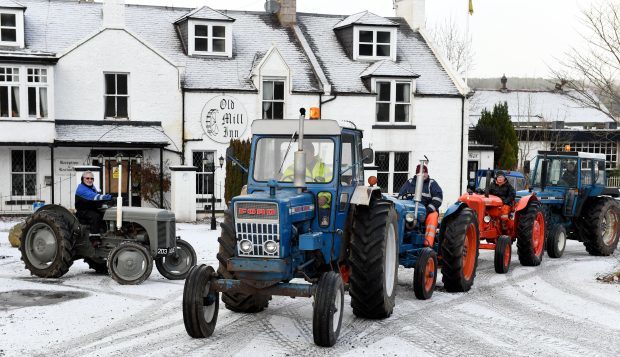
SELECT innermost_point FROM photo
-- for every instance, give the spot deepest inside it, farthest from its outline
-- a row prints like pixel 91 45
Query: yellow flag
pixel 471 7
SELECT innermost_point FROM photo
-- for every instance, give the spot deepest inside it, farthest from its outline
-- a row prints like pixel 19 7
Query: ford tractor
pixel 577 202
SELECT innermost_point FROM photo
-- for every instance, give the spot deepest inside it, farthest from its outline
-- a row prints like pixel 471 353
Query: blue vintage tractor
pixel 308 215
pixel 576 200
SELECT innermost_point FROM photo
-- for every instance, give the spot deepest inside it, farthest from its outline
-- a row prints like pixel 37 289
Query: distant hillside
pixel 514 83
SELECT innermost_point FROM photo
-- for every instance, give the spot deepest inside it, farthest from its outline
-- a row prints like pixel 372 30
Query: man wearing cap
pixel 432 197
pixel 88 202
pixel 504 190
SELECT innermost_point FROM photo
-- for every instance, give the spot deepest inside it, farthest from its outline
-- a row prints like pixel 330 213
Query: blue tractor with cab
pixel 576 201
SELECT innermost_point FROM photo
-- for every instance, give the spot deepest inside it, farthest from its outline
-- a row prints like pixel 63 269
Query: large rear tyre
pixel 328 308
pixel 556 241
pixel 601 227
pixel 176 266
pixel 503 254
pixel 374 260
pixel 459 251
pixel 237 302
pixel 531 235
pixel 425 274
pixel 130 263
pixel 46 244
pixel 100 266
pixel 200 303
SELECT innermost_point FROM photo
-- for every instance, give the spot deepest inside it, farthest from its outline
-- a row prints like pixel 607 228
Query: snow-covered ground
pixel 557 309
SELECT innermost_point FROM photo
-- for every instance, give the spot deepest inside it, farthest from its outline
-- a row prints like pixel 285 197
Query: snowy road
pixel 558 309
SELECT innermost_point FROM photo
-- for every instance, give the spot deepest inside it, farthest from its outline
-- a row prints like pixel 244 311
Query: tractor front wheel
pixel 374 260
pixel 425 274
pixel 459 251
pixel 601 227
pixel 200 303
pixel 130 263
pixel 328 308
pixel 556 242
pixel 503 254
pixel 531 235
pixel 176 266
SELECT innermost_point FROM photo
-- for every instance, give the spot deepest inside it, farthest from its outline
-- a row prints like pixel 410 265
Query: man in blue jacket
pixel 432 197
pixel 88 202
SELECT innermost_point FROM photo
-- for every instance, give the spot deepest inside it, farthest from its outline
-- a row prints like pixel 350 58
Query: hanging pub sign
pixel 224 118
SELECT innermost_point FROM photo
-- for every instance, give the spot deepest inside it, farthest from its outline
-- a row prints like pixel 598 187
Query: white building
pixel 97 80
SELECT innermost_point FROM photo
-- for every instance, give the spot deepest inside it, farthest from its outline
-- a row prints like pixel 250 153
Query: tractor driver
pixel 88 202
pixel 432 197
pixel 504 190
pixel 569 177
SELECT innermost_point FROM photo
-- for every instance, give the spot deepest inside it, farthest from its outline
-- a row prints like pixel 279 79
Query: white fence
pixel 613 181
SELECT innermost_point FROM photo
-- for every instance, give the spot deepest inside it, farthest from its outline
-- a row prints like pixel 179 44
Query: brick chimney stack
pixel 288 12
pixel 413 11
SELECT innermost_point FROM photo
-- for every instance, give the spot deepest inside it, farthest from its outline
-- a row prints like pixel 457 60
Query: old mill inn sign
pixel 224 118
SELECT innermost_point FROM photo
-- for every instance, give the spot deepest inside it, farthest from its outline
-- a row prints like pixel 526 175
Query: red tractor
pixel 524 223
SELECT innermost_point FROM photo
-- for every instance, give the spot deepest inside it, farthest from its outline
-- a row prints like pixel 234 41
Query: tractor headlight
pixel 487 219
pixel 271 247
pixel 409 217
pixel 245 246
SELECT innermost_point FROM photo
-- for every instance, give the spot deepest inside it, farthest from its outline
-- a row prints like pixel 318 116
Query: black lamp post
pixel 212 169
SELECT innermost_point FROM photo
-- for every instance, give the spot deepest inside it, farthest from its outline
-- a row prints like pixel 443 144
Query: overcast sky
pixel 516 37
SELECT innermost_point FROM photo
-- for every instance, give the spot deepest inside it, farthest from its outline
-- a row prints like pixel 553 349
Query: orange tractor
pixel 524 223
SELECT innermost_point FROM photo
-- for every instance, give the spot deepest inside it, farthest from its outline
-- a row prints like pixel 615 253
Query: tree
pixel 147 177
pixel 593 72
pixel 495 128
pixel 235 177
pixel 453 45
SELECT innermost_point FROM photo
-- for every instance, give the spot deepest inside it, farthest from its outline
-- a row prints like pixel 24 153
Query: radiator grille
pixel 258 234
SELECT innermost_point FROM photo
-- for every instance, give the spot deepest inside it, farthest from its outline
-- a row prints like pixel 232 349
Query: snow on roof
pixel 364 18
pixel 68 131
pixel 11 4
pixel 387 68
pixel 413 54
pixel 535 106
pixel 205 13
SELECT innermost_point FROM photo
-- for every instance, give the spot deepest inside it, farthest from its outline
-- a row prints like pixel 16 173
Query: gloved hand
pixel 106 197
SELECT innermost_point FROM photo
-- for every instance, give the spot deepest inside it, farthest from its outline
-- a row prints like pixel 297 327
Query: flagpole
pixel 470 11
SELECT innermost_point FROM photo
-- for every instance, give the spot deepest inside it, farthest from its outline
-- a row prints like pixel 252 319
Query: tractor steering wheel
pixel 406 196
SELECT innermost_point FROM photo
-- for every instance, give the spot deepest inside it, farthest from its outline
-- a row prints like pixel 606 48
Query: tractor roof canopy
pixel 290 126
pixel 583 155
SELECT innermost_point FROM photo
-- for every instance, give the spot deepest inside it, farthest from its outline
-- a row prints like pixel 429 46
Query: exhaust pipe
pixel 299 179
pixel 119 199
pixel 419 182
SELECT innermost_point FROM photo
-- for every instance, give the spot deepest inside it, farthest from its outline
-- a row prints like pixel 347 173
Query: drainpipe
pixel 321 102
pixel 183 126
pixel 52 169
pixel 462 141
pixel 161 177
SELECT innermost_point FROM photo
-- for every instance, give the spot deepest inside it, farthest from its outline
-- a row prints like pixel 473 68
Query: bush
pixel 14 233
pixel 235 177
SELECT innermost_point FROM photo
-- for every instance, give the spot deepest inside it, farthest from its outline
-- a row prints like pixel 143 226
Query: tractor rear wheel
pixel 425 274
pixel 531 235
pixel 328 308
pixel 176 266
pixel 503 254
pixel 200 304
pixel 601 227
pixel 130 263
pixel 459 251
pixel 237 302
pixel 374 260
pixel 556 241
pixel 46 244
pixel 98 265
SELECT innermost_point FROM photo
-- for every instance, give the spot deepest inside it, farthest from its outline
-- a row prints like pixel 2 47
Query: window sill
pixel 393 126
pixel 210 54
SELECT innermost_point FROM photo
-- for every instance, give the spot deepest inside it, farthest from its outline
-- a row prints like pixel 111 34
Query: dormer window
pixel 210 39
pixel 8 28
pixel 374 43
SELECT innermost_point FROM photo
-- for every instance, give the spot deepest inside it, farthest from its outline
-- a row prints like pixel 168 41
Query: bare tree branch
pixel 453 45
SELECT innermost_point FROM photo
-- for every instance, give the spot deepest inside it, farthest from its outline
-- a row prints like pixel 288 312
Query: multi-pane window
pixel 393 101
pixel 374 43
pixel 204 161
pixel 393 170
pixel 37 92
pixel 273 99
pixel 9 92
pixel 8 27
pixel 23 172
pixel 210 38
pixel 610 149
pixel 116 95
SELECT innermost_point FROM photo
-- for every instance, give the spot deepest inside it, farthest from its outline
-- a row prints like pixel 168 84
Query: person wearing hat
pixel 504 190
pixel 569 177
pixel 432 197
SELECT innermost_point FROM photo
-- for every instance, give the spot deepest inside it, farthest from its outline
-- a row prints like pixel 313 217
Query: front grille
pixel 258 234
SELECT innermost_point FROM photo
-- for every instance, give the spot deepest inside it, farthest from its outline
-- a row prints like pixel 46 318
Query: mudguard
pixel 363 194
pixel 69 217
pixel 524 201
pixel 454 209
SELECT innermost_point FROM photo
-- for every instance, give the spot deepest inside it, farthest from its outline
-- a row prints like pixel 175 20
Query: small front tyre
pixel 328 308
pixel 200 303
pixel 556 242
pixel 425 274
pixel 176 266
pixel 503 254
pixel 130 263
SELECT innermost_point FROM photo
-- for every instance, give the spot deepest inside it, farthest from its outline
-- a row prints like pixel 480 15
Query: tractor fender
pixel 523 202
pixel 456 207
pixel 363 194
pixel 68 215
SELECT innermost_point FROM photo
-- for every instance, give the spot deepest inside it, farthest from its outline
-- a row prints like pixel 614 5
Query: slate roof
pixel 387 68
pixel 205 13
pixel 106 132
pixel 11 4
pixel 413 54
pixel 530 106
pixel 364 18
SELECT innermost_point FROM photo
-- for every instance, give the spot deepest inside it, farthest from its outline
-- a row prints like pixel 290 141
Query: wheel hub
pixel 130 264
pixel 41 245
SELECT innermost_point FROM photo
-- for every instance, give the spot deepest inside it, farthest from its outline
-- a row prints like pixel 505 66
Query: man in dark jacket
pixel 88 202
pixel 504 190
pixel 432 197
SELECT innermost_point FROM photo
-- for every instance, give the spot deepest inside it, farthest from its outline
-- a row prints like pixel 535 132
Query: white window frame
pixel 283 100
pixel 191 43
pixel 16 78
pixel 19 28
pixel 374 30
pixel 393 103
pixel 24 173
pixel 117 95
pixel 392 168
pixel 37 77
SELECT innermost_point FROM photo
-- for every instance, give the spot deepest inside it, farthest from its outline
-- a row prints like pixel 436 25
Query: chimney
pixel 287 15
pixel 504 80
pixel 114 14
pixel 413 11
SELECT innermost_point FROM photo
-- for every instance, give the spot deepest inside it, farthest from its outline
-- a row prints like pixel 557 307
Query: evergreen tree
pixel 235 177
pixel 495 128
